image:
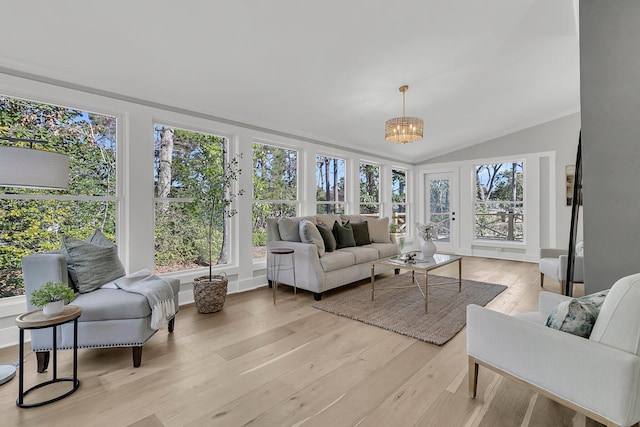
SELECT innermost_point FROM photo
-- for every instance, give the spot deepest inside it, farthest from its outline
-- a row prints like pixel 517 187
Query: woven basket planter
pixel 210 295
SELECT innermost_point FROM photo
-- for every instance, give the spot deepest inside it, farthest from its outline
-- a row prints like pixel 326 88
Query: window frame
pixel 523 203
pixel 11 306
pixel 295 202
pixel 231 266
pixel 377 204
pixel 338 203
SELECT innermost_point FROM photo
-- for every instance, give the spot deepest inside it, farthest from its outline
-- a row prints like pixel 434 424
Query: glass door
pixel 441 209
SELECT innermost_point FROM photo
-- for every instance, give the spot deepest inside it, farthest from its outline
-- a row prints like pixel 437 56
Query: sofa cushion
pixel 336 260
pixel 344 235
pixel 328 238
pixel 618 324
pixel 309 234
pixel 379 230
pixel 328 219
pixel 351 218
pixel 385 249
pixel 288 229
pixel 362 253
pixel 91 263
pixel 111 304
pixel 361 233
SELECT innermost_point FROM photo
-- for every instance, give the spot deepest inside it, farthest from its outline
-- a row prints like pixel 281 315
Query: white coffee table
pixel 419 264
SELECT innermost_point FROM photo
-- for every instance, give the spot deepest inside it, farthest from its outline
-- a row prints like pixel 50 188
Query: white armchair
pixel 598 376
pixel 553 263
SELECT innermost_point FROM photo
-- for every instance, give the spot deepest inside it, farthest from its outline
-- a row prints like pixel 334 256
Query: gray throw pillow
pixel 327 237
pixel 288 228
pixel 309 234
pixel 92 263
pixel 379 230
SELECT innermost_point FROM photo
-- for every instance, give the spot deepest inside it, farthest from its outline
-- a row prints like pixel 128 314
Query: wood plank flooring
pixel 257 364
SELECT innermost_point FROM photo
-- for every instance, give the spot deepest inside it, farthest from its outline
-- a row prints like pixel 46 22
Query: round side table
pixel 277 265
pixel 37 320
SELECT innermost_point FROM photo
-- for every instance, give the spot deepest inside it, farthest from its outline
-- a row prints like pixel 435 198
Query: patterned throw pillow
pixel 578 315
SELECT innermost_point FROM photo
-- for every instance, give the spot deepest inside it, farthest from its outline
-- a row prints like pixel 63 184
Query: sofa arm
pixel 552 253
pixel 547 301
pixel 603 379
pixel 39 269
pixel 309 273
pixel 578 268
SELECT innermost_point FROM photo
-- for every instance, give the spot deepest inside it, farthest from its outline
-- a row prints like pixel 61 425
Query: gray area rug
pixel 402 310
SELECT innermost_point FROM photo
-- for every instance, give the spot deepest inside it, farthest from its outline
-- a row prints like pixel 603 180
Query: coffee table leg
pixel 373 280
pixel 426 290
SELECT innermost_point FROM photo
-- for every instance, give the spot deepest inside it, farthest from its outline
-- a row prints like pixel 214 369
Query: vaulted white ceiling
pixel 326 70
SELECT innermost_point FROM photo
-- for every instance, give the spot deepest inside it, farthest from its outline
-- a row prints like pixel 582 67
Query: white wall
pixel 559 137
pixel 135 169
pixel 610 97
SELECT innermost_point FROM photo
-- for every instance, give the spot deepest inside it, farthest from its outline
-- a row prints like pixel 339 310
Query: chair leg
pixel 541 279
pixel 562 286
pixel 43 360
pixel 137 356
pixel 171 324
pixel 473 377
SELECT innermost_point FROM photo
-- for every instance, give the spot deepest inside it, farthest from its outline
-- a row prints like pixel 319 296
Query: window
pixel 189 167
pixel 275 190
pixel 499 202
pixel 32 220
pixel 399 200
pixel 369 190
pixel 330 185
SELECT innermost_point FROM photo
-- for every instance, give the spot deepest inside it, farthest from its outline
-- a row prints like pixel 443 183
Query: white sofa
pixel 598 376
pixel 318 272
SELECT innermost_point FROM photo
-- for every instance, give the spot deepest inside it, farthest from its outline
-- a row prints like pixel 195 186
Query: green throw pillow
pixel 93 263
pixel 361 233
pixel 328 238
pixel 344 235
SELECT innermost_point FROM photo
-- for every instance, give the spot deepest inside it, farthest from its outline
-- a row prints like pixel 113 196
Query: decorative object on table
pixel 402 310
pixel 215 196
pixel 427 233
pixel 210 292
pixel 403 129
pixel 51 297
pixel 408 258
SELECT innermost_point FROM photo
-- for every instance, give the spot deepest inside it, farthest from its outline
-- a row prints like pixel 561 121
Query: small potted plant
pixel 51 297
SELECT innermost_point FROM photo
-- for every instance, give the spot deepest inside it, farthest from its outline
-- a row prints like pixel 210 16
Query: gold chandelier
pixel 403 129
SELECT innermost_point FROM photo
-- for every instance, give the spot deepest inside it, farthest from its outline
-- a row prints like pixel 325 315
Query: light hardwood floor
pixel 292 365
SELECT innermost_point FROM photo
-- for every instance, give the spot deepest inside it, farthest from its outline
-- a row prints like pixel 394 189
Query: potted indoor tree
pixel 51 297
pixel 214 198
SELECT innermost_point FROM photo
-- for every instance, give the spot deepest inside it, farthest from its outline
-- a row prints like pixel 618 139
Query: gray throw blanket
pixel 157 291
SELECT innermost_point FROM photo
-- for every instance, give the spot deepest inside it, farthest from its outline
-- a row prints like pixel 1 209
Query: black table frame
pixel 76 383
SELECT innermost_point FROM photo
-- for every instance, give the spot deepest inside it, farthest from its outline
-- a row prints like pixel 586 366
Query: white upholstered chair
pixel 553 263
pixel 598 376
